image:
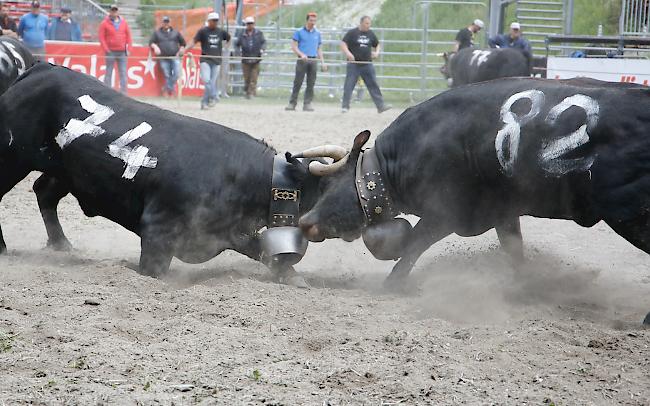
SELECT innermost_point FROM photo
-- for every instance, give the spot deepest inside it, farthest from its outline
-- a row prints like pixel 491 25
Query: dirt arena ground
pixel 83 328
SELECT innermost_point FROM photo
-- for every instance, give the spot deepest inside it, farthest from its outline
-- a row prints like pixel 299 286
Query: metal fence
pixel 635 17
pixel 408 66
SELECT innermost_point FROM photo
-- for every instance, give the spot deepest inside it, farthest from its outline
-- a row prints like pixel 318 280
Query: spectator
pixel 360 45
pixel 115 39
pixel 465 37
pixel 7 23
pixel 168 43
pixel 306 45
pixel 514 39
pixel 252 44
pixel 211 38
pixel 64 28
pixel 33 30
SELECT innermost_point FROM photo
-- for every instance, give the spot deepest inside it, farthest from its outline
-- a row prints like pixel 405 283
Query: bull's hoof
pixel 646 321
pixel 396 282
pixel 62 245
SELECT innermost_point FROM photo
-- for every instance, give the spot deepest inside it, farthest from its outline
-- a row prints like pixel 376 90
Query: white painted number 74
pixel 133 158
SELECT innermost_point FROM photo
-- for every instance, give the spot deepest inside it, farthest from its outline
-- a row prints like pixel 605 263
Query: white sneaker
pixel 344 110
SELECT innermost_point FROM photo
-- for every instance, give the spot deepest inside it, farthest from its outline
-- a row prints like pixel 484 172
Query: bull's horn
pixel 321 169
pixel 331 151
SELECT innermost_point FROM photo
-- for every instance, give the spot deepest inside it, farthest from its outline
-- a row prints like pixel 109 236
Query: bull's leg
pixel 509 234
pixel 637 232
pixel 156 250
pixel 282 273
pixel 9 177
pixel 49 191
pixel 423 236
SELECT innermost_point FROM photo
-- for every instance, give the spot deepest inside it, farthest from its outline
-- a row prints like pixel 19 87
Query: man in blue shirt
pixel 512 40
pixel 306 45
pixel 33 30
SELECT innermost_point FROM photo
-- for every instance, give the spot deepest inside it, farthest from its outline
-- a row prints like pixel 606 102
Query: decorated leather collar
pixel 372 191
pixel 285 196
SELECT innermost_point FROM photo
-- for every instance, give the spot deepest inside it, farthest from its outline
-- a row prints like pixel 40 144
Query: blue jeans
pixel 209 75
pixel 171 69
pixel 120 58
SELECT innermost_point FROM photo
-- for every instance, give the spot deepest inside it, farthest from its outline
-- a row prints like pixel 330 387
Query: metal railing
pixel 409 63
pixel 635 17
pixel 86 12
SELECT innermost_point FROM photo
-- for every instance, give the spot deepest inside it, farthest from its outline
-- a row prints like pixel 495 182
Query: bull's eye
pixel 371 185
pixel 378 210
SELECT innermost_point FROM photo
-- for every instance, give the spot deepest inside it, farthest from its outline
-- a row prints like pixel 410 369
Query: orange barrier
pixel 195 18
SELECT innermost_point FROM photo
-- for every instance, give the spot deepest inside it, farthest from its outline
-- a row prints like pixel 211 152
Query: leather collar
pixel 372 191
pixel 285 195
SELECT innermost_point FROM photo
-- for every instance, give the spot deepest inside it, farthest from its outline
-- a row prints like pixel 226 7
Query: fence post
pixel 425 46
pixel 381 55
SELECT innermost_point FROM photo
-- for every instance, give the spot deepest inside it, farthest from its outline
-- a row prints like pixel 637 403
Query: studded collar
pixel 372 191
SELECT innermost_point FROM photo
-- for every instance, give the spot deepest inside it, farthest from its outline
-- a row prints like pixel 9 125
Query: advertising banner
pixel 144 77
pixel 609 69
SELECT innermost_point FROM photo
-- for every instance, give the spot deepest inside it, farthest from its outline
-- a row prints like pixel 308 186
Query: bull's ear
pixel 360 140
pixel 298 170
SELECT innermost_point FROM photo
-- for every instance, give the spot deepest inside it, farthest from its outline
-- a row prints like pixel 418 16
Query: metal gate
pixel 635 17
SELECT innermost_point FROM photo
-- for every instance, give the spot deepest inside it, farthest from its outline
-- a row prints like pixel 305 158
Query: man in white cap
pixel 465 37
pixel 513 39
pixel 252 44
pixel 211 38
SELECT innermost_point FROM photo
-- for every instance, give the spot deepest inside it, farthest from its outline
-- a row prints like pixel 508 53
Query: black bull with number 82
pixel 189 188
pixel 479 156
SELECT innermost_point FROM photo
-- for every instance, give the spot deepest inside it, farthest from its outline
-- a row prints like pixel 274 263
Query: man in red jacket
pixel 115 39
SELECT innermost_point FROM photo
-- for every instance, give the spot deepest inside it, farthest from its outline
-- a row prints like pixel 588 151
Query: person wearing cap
pixel 306 44
pixel 115 40
pixel 514 39
pixel 465 37
pixel 168 44
pixel 211 38
pixel 64 28
pixel 252 44
pixel 7 24
pixel 360 46
pixel 32 28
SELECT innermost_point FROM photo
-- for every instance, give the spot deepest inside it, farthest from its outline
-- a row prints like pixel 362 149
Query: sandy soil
pixel 83 328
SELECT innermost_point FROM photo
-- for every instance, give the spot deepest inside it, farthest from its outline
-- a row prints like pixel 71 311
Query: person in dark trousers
pixel 168 44
pixel 465 37
pixel 64 28
pixel 211 38
pixel 514 39
pixel 306 44
pixel 33 30
pixel 252 44
pixel 360 46
pixel 115 39
pixel 7 24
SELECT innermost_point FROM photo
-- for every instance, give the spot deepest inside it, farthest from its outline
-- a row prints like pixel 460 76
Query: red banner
pixel 144 77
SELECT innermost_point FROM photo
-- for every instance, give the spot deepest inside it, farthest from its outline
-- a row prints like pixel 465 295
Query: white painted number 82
pixel 550 155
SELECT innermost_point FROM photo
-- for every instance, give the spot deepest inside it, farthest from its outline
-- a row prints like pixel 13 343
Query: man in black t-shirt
pixel 168 43
pixel 465 37
pixel 360 45
pixel 211 38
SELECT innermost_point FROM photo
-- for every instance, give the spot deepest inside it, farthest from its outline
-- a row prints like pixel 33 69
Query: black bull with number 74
pixel 479 156
pixel 189 188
